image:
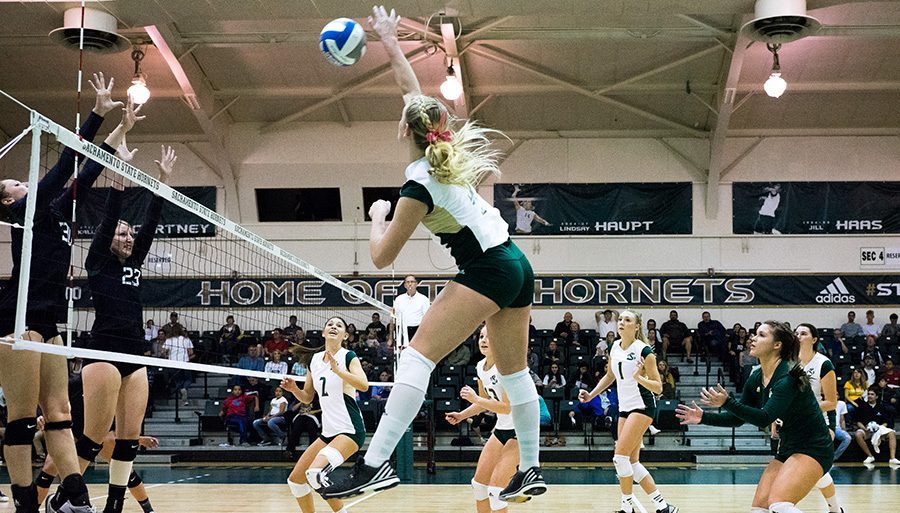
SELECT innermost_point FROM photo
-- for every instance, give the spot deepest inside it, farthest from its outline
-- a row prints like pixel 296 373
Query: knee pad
pixel 414 369
pixel 623 466
pixel 825 481
pixel 134 480
pixel 299 490
pixel 87 449
pixel 480 491
pixel 638 472
pixel 58 425
pixel 496 503
pixel 334 457
pixel 21 431
pixel 43 480
pixel 125 450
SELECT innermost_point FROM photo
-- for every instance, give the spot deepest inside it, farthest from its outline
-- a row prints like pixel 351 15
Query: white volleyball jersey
pixel 816 369
pixel 340 413
pixel 770 205
pixel 457 214
pixel 632 395
pixel 524 218
pixel 490 380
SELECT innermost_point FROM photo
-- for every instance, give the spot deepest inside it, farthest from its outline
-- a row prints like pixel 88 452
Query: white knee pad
pixel 639 472
pixel 334 456
pixel 480 491
pixel 313 477
pixel 414 369
pixel 623 465
pixel 299 490
pixel 496 503
pixel 825 481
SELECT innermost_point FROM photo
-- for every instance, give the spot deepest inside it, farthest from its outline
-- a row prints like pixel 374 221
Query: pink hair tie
pixel 434 135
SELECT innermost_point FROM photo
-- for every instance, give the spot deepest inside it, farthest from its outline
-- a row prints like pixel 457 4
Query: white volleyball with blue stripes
pixel 343 41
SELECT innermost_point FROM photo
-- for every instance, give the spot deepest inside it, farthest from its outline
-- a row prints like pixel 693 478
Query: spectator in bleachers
pixel 532 331
pixel 258 390
pixel 179 348
pixel 841 436
pixel 887 395
pixel 301 340
pixel 737 342
pixel 891 330
pixel 652 341
pixel 606 322
pixel 229 334
pixel 874 421
pixel 306 420
pixel 890 373
pixel 599 360
pixel 870 327
pixel 676 333
pixel 837 345
pixel 871 351
pixel 291 328
pixel 668 380
pixel 582 379
pixel 157 347
pixel 276 343
pixel 250 361
pixel 855 389
pixel 411 306
pixel 651 328
pixel 376 327
pixel 235 408
pixel 459 356
pixel 381 392
pixel 552 354
pixel 869 369
pixel 299 368
pixel 150 331
pixel 746 363
pixel 554 377
pixel 575 337
pixel 850 328
pixel 272 425
pixel 534 361
pixel 385 349
pixel 367 368
pixel 173 323
pixel 275 365
pixel 372 340
pixel 756 326
pixel 354 341
pixel 563 329
pixel 711 335
pixel 610 340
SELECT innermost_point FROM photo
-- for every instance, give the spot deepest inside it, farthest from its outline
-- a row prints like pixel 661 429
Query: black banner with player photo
pixel 550 291
pixel 174 221
pixel 815 207
pixel 596 209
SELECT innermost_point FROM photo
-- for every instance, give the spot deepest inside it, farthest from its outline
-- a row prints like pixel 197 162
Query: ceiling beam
pixel 725 106
pixel 347 89
pixel 501 56
pixel 342 110
pixel 747 151
pixel 659 69
pixel 461 104
pixel 696 170
pixel 199 97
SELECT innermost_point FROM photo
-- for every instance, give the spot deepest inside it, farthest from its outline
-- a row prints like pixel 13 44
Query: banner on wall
pixel 815 207
pixel 879 257
pixel 550 291
pixel 174 221
pixel 596 209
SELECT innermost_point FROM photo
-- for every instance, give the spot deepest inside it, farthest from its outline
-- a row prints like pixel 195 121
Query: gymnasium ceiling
pixel 534 68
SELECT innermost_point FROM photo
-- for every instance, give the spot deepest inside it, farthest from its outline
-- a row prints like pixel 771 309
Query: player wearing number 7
pixel 632 366
pixel 335 374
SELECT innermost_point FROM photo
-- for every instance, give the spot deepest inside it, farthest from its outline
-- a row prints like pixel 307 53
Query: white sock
pixel 658 500
pixel 526 414
pixel 627 503
pixel 783 507
pixel 413 372
pixel 834 504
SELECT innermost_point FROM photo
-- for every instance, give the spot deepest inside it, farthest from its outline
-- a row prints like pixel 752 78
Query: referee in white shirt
pixel 411 307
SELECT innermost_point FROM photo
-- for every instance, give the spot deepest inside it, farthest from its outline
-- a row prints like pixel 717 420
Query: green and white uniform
pixel 802 429
pixel 633 397
pixel 340 413
pixel 817 368
pixel 476 235
pixel 504 430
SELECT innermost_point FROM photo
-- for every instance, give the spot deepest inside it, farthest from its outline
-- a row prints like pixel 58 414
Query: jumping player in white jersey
pixel 495 282
pixel 335 374
pixel 823 382
pixel 632 366
pixel 500 455
pixel 525 214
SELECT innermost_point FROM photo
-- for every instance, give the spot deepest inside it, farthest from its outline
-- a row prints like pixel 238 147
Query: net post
pixel 405 456
pixel 27 235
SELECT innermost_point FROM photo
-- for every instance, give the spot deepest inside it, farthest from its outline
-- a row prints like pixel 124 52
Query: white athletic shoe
pixel 654 430
pixel 870 459
pixel 893 462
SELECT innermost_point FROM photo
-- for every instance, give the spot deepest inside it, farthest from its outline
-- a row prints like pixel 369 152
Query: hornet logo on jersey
pixel 631 356
pixel 493 380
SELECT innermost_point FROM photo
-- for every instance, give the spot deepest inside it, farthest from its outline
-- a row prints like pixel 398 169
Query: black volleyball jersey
pixel 115 285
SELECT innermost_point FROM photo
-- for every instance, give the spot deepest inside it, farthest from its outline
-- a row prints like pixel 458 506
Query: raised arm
pixel 148 230
pixel 385 25
pixel 103 236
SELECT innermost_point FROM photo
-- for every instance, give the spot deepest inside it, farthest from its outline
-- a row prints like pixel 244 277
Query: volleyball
pixel 343 41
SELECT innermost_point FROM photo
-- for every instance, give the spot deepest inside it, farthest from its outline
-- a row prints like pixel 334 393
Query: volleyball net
pixel 228 290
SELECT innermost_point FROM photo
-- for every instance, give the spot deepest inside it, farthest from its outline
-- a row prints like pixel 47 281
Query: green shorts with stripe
pixel 359 437
pixel 502 274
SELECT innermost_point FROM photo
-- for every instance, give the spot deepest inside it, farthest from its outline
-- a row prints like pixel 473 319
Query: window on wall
pixel 373 194
pixel 290 205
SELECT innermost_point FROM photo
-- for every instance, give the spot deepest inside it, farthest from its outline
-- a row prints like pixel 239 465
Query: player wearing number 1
pixel 632 366
pixel 335 374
